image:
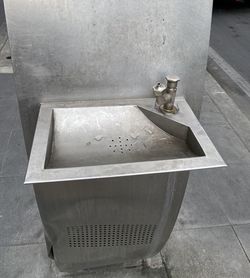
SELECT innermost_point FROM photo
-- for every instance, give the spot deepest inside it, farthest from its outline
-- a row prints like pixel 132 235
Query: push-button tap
pixel 165 95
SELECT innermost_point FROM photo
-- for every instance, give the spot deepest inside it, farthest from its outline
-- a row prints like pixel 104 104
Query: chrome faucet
pixel 165 95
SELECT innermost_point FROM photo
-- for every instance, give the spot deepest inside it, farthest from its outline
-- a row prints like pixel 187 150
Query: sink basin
pixel 109 177
pixel 88 136
pixel 85 140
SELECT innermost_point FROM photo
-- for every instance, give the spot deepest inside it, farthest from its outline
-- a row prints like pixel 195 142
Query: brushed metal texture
pixel 89 50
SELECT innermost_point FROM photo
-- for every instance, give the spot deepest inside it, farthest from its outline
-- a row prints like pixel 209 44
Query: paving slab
pixel 231 190
pixel 219 117
pixel 9 115
pixel 205 253
pixel 11 101
pixel 210 113
pixel 234 89
pixel 230 34
pixel 211 85
pixel 243 233
pixel 29 261
pixel 228 143
pixel 238 121
pixel 15 158
pixel 19 217
pixel 8 90
pixel 4 140
pixel 199 207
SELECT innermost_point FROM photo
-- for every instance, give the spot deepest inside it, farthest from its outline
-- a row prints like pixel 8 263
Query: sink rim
pixel 37 173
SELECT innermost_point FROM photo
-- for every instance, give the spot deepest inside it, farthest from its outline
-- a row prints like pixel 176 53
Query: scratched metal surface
pixel 83 50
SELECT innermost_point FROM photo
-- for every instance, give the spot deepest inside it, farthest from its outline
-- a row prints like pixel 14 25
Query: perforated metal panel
pixel 109 221
pixel 110 235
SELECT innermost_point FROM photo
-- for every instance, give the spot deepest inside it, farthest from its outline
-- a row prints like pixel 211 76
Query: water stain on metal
pixel 98 137
pixel 149 131
pixel 134 136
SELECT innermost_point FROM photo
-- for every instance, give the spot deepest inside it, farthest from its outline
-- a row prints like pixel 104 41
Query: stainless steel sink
pixel 89 136
pixel 109 177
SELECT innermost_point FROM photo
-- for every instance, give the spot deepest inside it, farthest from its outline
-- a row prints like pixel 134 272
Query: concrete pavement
pixel 230 35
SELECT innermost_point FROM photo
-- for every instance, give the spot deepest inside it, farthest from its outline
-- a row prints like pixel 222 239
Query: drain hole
pixel 118 142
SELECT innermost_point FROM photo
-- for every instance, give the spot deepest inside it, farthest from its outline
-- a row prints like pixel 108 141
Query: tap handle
pixel 172 81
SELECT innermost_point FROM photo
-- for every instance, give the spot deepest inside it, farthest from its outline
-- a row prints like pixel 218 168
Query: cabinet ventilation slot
pixel 110 235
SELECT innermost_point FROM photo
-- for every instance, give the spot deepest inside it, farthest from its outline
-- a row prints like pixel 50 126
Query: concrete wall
pixel 77 50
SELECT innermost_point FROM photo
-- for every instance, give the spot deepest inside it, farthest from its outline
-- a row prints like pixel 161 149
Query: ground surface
pixel 230 35
pixel 211 237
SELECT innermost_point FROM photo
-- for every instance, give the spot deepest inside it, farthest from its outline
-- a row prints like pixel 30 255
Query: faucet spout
pixel 165 95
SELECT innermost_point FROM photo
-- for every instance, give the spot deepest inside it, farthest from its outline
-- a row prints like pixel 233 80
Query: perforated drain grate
pixel 110 235
pixel 121 145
